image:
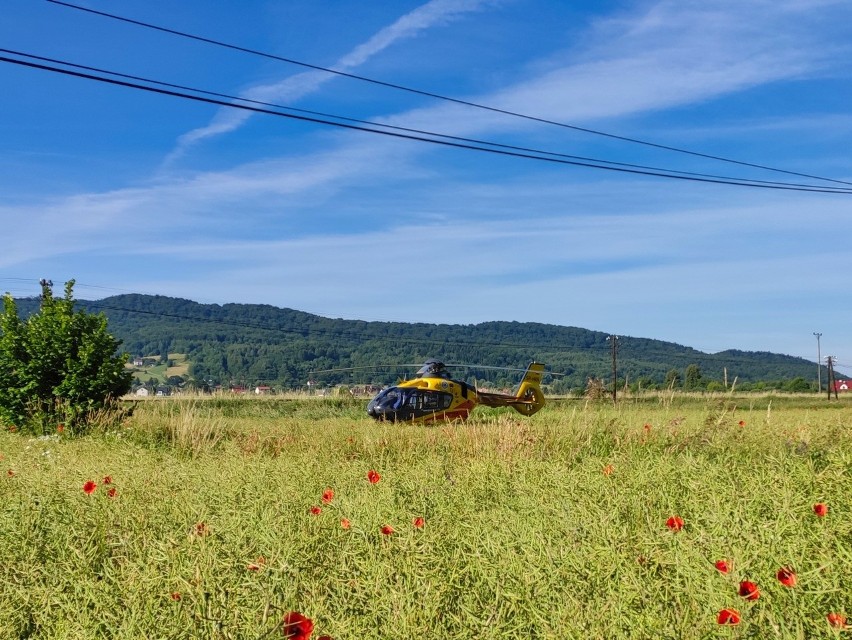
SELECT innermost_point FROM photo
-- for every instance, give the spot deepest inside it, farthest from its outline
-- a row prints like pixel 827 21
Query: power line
pixel 410 130
pixel 531 155
pixel 437 96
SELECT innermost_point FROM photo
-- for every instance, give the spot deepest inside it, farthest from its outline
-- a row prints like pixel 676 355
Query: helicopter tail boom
pixel 528 398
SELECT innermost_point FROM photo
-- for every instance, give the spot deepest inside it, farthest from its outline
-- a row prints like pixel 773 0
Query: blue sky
pixel 128 191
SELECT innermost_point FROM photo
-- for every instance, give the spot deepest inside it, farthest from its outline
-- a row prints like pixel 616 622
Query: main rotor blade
pixel 373 367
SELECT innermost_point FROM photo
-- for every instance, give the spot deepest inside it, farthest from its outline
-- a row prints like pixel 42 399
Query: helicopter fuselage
pixel 424 400
pixel 433 396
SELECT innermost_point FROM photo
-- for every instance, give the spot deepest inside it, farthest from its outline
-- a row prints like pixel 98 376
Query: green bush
pixel 59 366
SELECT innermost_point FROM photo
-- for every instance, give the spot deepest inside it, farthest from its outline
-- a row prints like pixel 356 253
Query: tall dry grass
pixel 190 426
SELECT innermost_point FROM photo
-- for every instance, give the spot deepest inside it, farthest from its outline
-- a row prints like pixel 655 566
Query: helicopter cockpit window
pixel 436 400
pixel 392 398
pixel 388 399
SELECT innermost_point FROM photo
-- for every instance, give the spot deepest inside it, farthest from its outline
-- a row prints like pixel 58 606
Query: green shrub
pixel 59 366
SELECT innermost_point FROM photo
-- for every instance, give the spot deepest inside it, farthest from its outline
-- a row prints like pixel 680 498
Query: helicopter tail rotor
pixel 530 397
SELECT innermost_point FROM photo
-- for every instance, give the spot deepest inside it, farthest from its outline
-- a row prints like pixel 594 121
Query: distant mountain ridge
pixel 261 344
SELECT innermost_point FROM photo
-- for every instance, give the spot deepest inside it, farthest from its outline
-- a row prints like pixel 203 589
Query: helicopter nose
pixel 381 414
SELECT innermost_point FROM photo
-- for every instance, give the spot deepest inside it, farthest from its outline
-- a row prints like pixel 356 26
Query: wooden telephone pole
pixel 831 381
pixel 613 342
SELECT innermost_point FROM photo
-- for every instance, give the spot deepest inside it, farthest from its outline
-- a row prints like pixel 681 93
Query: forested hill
pixel 261 344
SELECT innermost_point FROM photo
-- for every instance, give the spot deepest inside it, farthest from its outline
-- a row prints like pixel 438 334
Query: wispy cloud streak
pixel 434 13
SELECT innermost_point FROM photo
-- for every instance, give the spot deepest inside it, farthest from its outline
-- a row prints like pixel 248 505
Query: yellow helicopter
pixel 433 396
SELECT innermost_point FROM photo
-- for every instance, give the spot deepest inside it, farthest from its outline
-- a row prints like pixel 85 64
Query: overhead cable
pixel 435 139
pixel 406 129
pixel 437 96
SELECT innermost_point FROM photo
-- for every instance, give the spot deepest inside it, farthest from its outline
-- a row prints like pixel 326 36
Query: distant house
pixel 262 390
pixel 164 391
pixel 138 362
pixel 842 385
pixel 142 391
pixel 237 389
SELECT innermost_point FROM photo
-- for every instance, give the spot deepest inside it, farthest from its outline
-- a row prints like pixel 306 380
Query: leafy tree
pixel 672 378
pixel 57 366
pixel 693 377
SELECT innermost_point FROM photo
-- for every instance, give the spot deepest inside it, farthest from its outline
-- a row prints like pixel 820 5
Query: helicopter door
pixel 426 402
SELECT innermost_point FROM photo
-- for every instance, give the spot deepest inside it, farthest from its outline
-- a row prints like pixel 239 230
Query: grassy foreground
pixel 546 527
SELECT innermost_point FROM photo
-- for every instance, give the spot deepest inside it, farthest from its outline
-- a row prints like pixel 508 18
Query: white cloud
pixel 673 53
pixel 291 89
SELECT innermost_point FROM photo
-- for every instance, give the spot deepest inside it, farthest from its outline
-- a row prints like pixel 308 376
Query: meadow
pixel 217 518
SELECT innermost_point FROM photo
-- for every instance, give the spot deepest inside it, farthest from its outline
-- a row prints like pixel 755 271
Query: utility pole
pixel 831 383
pixel 819 364
pixel 613 340
pixel 45 286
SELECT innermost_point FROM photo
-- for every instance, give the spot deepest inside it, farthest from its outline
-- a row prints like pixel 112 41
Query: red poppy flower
pixel 786 576
pixel 647 427
pixel 60 428
pixel 200 529
pixel 315 510
pixel 344 522
pixel 836 620
pixel 89 487
pixel 112 492
pixel 174 595
pixel 373 476
pixel 387 530
pixel 296 626
pixel 742 423
pixel 107 479
pixel 608 469
pixel 675 523
pixel 728 616
pixel 749 590
pixel 418 522
pixel 821 509
pixel 328 496
pixel 722 566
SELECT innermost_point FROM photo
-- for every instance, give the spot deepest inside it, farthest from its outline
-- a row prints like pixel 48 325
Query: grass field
pixel 213 519
pixel 160 371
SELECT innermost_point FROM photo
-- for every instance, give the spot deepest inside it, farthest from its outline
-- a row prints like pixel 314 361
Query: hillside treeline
pixel 261 344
